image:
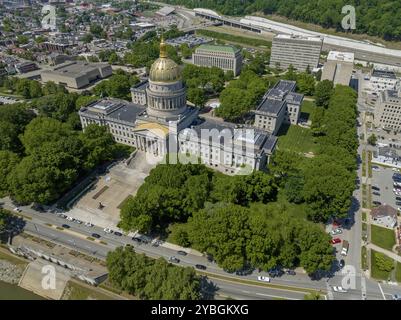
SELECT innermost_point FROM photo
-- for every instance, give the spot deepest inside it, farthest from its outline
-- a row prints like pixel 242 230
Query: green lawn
pixel 398 272
pixel 296 139
pixel 376 272
pixel 307 109
pixel 81 292
pixel 364 258
pixel 382 237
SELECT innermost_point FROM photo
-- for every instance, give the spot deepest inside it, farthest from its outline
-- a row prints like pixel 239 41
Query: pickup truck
pixel 345 248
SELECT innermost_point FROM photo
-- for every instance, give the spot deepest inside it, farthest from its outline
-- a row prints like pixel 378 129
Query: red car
pixel 335 240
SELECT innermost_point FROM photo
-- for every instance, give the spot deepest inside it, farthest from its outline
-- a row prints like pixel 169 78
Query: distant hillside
pixel 373 17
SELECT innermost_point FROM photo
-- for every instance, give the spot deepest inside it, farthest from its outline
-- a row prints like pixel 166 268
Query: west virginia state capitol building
pixel 159 121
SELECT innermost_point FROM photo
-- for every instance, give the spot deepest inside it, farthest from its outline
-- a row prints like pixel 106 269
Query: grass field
pixel 383 237
pixel 296 139
pixel 308 107
pixel 296 210
pixel 246 41
pixel 376 272
pixel 398 272
pixel 81 292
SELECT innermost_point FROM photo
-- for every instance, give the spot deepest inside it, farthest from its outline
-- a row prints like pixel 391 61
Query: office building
pixel 338 67
pixel 301 52
pixel 387 113
pixel 223 57
pixel 381 79
pixel 77 74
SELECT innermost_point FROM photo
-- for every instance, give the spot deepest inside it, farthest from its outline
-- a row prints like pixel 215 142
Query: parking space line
pixel 381 290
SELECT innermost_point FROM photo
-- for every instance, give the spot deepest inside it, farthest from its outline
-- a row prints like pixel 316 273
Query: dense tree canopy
pixel 374 17
pixel 151 279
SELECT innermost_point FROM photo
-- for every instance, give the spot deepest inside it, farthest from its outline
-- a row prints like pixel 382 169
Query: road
pixel 75 237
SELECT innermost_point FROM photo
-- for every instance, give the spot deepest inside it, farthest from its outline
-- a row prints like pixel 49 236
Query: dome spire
pixel 163 48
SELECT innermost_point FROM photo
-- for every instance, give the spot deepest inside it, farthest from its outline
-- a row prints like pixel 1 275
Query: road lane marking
pixel 381 290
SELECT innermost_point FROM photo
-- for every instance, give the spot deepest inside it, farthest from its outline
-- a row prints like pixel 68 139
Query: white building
pixel 381 79
pixel 338 67
pixel 300 52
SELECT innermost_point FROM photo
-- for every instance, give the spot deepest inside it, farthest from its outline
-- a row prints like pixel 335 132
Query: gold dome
pixel 164 69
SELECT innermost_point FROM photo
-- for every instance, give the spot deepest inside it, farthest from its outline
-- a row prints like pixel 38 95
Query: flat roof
pixel 388 74
pixel 298 37
pixel 212 47
pixel 75 68
pixel 341 56
pixel 271 105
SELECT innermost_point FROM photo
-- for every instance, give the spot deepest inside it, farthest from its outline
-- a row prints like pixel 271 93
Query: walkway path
pixel 392 255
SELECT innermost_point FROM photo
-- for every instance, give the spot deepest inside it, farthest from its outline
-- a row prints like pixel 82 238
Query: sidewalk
pixel 392 255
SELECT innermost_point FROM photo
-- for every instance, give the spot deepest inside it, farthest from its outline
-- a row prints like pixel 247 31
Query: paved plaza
pixel 100 205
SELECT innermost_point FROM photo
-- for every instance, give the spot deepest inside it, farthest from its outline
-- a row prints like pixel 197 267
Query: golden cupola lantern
pixel 164 69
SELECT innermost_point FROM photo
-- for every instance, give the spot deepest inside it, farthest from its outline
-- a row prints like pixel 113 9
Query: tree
pixel 383 262
pixel 151 279
pixel 313 296
pixel 8 161
pixel 9 137
pixel 196 96
pixel 87 38
pixel 372 140
pixel 323 92
pixel 291 75
pixel 58 106
pixel 306 84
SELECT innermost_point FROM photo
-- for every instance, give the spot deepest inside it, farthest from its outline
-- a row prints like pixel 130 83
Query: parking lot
pixel 383 180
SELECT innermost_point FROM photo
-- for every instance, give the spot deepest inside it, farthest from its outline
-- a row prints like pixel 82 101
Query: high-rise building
pixel 387 112
pixel 223 57
pixel 301 52
pixel 382 79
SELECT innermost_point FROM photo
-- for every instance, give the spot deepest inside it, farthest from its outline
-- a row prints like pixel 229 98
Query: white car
pixel 336 231
pixel 70 218
pixel 88 224
pixel 375 168
pixel 395 169
pixel 264 279
pixel 78 221
pixel 17 209
pixel 339 289
pixel 107 230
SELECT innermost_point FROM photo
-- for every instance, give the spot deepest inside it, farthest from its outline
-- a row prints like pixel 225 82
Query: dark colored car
pixel 376 188
pixel 376 193
pixel 95 235
pixel 66 226
pixel 200 266
pixel 291 272
pixel 342 263
pixel 181 253
pixel 398 203
pixel 275 273
pixel 174 260
pixel 377 203
pixel 118 233
pixel 398 198
pixel 137 239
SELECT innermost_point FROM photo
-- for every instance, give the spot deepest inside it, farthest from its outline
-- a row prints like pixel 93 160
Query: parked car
pixel 290 272
pixel 119 234
pixel 377 203
pixel 376 193
pixel 70 218
pixel 181 253
pixel 263 278
pixel 78 221
pixel 335 240
pixel 341 263
pixel 174 260
pixel 136 239
pixel 376 188
pixel 95 235
pixel 336 231
pixel 63 216
pixel 200 266
pixel 375 168
pixel 17 209
pixel 66 226
pixel 107 230
pixel 398 198
pixel 88 224
pixel 339 289
pixel 396 296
